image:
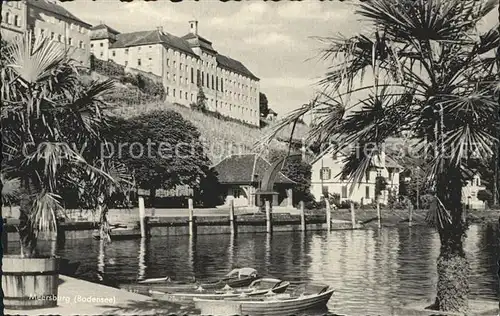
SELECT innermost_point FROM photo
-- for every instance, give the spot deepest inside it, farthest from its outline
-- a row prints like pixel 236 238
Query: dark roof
pixel 234 65
pixel 102 31
pixel 198 41
pixel 152 37
pixel 53 7
pixel 238 169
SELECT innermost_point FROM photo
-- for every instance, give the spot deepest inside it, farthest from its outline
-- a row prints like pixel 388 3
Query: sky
pixel 277 41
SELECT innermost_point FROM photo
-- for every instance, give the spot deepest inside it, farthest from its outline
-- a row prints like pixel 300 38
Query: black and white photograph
pixel 250 157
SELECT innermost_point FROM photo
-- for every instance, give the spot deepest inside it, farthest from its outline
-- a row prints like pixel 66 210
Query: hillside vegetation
pixel 221 137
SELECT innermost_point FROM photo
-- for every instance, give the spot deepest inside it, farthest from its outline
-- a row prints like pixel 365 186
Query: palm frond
pixel 10 188
pixel 43 214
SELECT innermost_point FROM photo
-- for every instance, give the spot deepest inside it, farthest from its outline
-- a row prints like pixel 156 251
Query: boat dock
pixel 78 297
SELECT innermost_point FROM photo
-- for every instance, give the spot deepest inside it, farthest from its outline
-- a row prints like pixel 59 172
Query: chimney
pixel 193 27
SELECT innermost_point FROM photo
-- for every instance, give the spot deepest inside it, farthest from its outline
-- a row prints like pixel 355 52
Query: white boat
pixel 279 304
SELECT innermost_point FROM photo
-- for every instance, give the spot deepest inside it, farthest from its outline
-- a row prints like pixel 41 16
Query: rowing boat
pixel 236 278
pixel 267 305
pixel 257 287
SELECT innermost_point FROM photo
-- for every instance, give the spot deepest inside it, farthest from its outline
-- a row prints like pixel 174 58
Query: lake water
pixel 372 271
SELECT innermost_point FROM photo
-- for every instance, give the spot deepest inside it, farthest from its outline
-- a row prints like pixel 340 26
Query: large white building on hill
pixel 184 63
pixel 46 18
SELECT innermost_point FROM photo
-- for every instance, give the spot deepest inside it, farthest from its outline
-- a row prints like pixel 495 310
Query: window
pixel 180 66
pixel 113 53
pixel 175 77
pixel 126 63
pixel 70 41
pixel 102 54
pixel 92 46
pixel 168 62
pixel 174 63
pixel 102 45
pixel 180 94
pixel 202 78
pixel 126 51
pixel 367 175
pixel 213 85
pixel 7 16
pixel 367 192
pixel 150 59
pixel 192 75
pixel 221 85
pixel 344 191
pixel 52 35
pixel 42 32
pixel 192 97
pixel 173 92
pixel 139 62
pixel 180 79
pixel 217 83
pixel 59 38
pixel 186 95
pixel 167 91
pixel 16 21
pixel 80 44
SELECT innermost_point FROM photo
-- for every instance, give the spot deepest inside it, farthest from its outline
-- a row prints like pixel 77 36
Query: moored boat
pixel 278 304
pixel 256 288
pixel 236 278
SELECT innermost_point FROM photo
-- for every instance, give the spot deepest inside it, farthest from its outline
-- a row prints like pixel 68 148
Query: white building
pixel 470 190
pixel 325 178
pixel 185 65
pixel 46 18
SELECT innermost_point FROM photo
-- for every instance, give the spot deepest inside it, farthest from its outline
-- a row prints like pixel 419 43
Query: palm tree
pixel 51 131
pixel 432 77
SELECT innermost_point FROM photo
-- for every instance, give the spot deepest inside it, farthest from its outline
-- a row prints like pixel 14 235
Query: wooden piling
pixel 353 216
pixel 191 216
pixel 411 215
pixel 328 215
pixel 268 217
pixel 231 217
pixel 378 215
pixel 302 217
pixel 142 217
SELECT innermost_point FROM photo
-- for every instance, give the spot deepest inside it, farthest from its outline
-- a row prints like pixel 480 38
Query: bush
pixel 346 204
pixel 485 196
pixel 129 78
pixel 108 68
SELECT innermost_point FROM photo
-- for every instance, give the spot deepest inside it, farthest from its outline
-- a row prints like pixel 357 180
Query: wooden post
pixel 328 215
pixel 411 214
pixel 378 214
pixel 268 217
pixel 231 217
pixel 353 216
pixel 5 236
pixel 302 217
pixel 142 259
pixel 191 211
pixel 142 216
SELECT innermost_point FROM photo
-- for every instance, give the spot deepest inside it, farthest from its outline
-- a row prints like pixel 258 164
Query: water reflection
pixel 372 270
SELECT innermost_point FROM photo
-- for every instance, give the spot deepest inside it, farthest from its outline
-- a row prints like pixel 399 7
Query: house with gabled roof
pixel 326 177
pixel 240 176
pixel 186 64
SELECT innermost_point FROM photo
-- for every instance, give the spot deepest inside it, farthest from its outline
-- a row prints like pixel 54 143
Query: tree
pixel 432 77
pixel 163 150
pixel 299 171
pixel 51 121
pixel 264 105
pixel 201 99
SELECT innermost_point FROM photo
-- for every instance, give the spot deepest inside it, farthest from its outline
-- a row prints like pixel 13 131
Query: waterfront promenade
pixel 78 297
